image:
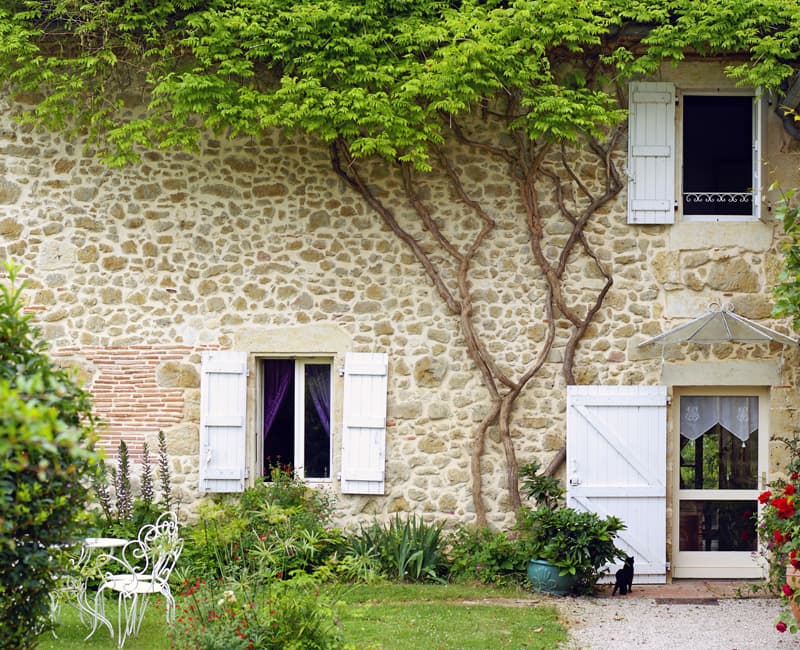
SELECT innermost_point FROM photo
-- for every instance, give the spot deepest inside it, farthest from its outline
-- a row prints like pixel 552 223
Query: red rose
pixel 789 489
pixel 787 590
pixel 784 506
pixel 780 626
pixel 778 537
pixel 792 554
pixel 764 496
pixel 793 476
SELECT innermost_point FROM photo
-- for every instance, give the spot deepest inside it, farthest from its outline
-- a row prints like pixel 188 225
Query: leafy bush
pixel 265 614
pixel 407 550
pixel 282 526
pixel 578 543
pixel 546 491
pixel 46 455
pixel 490 557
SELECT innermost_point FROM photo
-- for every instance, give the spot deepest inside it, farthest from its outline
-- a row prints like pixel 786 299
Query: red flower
pixel 784 506
pixel 793 476
pixel 789 489
pixel 779 537
pixel 781 627
pixel 787 590
pixel 764 496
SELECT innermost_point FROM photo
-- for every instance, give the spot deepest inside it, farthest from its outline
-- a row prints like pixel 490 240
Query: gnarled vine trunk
pixel 536 169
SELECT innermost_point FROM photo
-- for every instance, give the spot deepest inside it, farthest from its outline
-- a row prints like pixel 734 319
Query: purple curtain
pixel 318 384
pixel 277 377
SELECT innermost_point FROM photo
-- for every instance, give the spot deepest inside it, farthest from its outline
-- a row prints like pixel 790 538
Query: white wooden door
pixel 616 465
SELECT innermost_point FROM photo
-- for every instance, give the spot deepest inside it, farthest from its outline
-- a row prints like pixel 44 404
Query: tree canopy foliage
pixel 379 73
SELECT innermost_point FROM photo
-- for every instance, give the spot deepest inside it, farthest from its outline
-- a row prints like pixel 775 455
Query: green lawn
pixel 384 617
pixel 152 635
pixel 452 617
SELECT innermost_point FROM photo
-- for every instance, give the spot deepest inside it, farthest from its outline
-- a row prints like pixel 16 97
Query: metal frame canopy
pixel 721 325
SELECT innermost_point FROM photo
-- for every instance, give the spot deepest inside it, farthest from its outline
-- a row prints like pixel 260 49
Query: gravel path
pixel 626 623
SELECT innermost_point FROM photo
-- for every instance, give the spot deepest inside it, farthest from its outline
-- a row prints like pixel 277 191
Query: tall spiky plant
pixel 123 483
pixel 103 494
pixel 147 478
pixel 163 472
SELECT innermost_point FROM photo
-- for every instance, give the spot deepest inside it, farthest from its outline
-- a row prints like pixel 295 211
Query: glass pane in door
pixel 717 525
pixel 718 460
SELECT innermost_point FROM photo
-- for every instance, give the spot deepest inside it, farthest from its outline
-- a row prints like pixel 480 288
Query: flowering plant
pixel 256 614
pixel 779 532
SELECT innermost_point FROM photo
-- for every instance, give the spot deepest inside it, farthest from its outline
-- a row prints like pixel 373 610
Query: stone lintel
pixel 722 373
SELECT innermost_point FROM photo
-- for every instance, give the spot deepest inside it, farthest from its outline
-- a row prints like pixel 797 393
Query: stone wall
pixel 260 247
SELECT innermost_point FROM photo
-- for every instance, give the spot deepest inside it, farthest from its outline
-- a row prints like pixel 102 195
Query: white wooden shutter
pixel 364 423
pixel 223 400
pixel 616 465
pixel 759 150
pixel 651 153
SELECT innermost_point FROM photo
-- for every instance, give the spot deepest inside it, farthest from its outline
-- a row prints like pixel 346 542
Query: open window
pixel 296 415
pixel 289 414
pixel 706 169
pixel 719 137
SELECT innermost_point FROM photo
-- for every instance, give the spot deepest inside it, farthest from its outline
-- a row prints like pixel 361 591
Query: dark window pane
pixel 717 155
pixel 717 525
pixel 317 420
pixel 278 413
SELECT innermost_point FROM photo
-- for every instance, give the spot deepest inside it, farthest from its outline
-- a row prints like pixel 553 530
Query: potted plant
pixel 568 548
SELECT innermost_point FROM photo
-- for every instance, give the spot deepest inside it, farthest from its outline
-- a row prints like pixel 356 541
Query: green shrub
pixel 407 550
pixel 546 491
pixel 490 557
pixel 46 461
pixel 282 526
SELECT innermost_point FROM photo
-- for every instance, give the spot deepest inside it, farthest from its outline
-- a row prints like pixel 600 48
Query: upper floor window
pixel 701 161
pixel 717 175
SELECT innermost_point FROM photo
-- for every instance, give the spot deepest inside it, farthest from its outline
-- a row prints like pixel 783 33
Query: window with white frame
pixel 296 416
pixel 291 419
pixel 693 153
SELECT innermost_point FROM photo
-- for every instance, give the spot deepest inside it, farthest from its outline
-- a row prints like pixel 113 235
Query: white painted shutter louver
pixel 364 423
pixel 651 153
pixel 223 405
pixel 616 465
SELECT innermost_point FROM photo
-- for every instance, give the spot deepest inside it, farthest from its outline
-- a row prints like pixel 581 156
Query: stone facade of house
pixel 258 246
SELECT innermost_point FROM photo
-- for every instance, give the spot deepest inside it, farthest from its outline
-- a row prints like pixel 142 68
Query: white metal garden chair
pixel 141 569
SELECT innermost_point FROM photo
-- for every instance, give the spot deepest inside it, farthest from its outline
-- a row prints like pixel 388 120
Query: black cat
pixel 624 578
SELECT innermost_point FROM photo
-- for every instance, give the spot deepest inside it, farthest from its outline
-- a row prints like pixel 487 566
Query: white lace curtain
pixel 739 415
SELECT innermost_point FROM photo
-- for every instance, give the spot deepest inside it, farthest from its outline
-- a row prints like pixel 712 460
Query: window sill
pixel 699 235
